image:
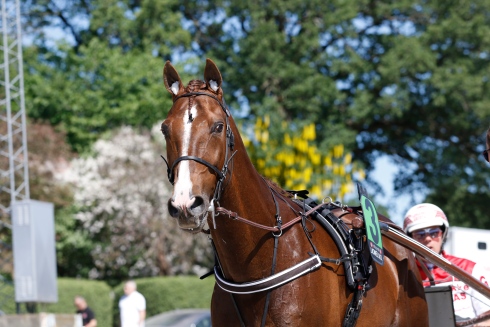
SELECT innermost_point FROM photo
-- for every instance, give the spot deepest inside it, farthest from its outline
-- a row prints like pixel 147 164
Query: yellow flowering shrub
pixel 294 161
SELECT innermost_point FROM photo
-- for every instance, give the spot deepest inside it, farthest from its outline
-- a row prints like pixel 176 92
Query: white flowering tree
pixel 121 194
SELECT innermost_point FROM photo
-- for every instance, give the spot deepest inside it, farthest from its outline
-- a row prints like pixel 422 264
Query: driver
pixel 427 224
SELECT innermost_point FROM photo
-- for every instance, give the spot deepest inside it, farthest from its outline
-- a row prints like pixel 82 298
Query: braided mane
pixel 194 86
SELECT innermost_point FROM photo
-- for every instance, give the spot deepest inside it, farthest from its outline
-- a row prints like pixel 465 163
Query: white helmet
pixel 425 215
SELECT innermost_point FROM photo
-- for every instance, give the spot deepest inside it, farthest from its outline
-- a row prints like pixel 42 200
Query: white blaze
pixel 183 187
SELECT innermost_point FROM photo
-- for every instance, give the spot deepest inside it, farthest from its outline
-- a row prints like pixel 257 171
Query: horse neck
pixel 246 190
pixel 241 247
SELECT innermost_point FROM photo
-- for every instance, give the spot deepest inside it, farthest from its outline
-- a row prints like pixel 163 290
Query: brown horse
pixel 209 167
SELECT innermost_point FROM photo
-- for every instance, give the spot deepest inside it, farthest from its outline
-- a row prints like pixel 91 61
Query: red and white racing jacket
pixel 467 302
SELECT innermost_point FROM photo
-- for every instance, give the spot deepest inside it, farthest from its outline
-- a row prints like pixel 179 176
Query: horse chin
pixel 192 224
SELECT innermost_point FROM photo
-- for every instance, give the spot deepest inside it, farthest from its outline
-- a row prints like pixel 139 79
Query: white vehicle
pixel 469 243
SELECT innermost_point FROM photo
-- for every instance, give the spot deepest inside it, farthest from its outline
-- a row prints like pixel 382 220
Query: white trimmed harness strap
pixel 270 282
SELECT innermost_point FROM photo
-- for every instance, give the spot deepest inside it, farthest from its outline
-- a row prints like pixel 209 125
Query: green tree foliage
pixel 110 74
pixel 154 26
pixel 405 79
pixel 7 296
pixel 95 90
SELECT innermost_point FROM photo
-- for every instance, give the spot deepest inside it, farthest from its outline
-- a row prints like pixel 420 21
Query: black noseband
pixel 170 171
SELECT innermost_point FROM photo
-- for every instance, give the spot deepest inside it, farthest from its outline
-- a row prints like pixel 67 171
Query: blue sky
pixel 397 205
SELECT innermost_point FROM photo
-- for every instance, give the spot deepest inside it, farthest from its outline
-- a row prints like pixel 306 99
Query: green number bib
pixel 373 232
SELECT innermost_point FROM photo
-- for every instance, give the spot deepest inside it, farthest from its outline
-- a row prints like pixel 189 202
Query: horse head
pixel 199 144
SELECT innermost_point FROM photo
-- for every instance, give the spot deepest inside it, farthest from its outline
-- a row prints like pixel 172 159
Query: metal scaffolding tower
pixel 13 141
pixel 14 175
pixel 27 238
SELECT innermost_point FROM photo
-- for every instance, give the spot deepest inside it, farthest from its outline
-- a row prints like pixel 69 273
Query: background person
pixel 427 224
pixel 132 306
pixel 88 316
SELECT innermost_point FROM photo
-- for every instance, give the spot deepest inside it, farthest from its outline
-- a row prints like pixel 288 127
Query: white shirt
pixel 130 307
pixel 481 303
pixel 467 302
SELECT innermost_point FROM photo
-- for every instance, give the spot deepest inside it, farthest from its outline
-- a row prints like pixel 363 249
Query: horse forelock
pixel 194 85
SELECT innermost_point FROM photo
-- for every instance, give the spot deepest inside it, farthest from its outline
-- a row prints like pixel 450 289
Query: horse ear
pixel 212 76
pixel 171 78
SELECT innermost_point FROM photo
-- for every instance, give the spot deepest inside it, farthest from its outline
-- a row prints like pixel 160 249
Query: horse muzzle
pixel 189 214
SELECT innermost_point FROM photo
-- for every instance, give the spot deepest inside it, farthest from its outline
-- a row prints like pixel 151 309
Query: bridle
pixel 230 143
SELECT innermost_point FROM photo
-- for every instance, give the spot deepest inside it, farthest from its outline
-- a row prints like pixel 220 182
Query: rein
pixel 233 215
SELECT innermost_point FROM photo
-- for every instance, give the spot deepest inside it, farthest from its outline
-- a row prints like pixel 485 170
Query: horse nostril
pixel 173 210
pixel 198 202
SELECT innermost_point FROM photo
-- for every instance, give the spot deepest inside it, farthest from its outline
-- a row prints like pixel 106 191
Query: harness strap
pixel 354 308
pixel 268 297
pixel 337 261
pixel 274 254
pixel 326 223
pixel 235 216
pixel 218 263
pixel 270 282
pixel 242 324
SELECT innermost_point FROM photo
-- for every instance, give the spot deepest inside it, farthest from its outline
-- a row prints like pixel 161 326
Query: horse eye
pixel 218 128
pixel 164 130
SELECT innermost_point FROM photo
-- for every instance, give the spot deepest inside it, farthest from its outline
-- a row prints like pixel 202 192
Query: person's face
pixel 128 289
pixel 79 304
pixel 431 237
